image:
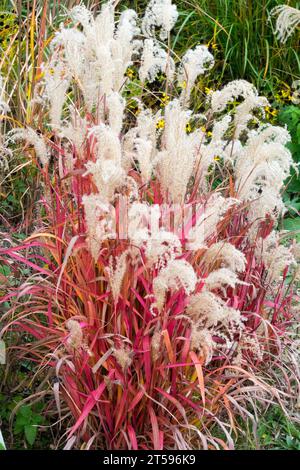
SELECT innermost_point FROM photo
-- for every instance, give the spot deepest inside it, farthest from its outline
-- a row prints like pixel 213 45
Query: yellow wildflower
pixel 271 111
pixel 165 99
pixel 130 73
pixel 285 93
pixel 188 127
pixel 208 90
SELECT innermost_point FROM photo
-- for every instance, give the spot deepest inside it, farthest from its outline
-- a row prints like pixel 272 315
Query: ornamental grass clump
pixel 161 301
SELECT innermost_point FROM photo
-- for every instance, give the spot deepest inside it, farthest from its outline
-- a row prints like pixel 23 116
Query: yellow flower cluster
pixel 164 100
pixel 284 94
pixel 213 45
pixel 271 113
pixel 160 124
pixel 208 133
pixel 130 73
pixel 188 128
pixel 208 91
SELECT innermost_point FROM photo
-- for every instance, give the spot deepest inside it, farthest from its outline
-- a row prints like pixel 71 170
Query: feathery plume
pixel 99 222
pixel 75 338
pixel 159 14
pixel 176 275
pixel 221 277
pixel 208 310
pixel 31 137
pixel 57 79
pixel 195 62
pixel 235 89
pixel 206 224
pixel 154 60
pixel 162 247
pixel 116 274
pixel 224 255
pixel 202 341
pixel 123 356
pixel 178 152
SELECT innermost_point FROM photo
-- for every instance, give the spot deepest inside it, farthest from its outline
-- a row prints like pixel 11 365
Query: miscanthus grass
pixel 161 302
pixel 288 19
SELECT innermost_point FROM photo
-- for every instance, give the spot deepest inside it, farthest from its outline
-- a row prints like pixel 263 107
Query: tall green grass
pixel 238 31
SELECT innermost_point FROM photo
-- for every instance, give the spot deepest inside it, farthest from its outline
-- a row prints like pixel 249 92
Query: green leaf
pixel 289 441
pixel 30 433
pixel 19 426
pixel 290 115
pixel 293 225
pixel 5 270
pixel 20 236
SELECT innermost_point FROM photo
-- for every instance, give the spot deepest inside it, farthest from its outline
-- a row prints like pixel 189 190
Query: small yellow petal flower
pixel 130 73
pixel 188 127
pixel 165 99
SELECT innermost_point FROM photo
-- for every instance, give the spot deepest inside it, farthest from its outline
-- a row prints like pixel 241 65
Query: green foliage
pixel 274 432
pixel 293 225
pixel 277 432
pixel 289 116
pixel 27 420
pixel 17 189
